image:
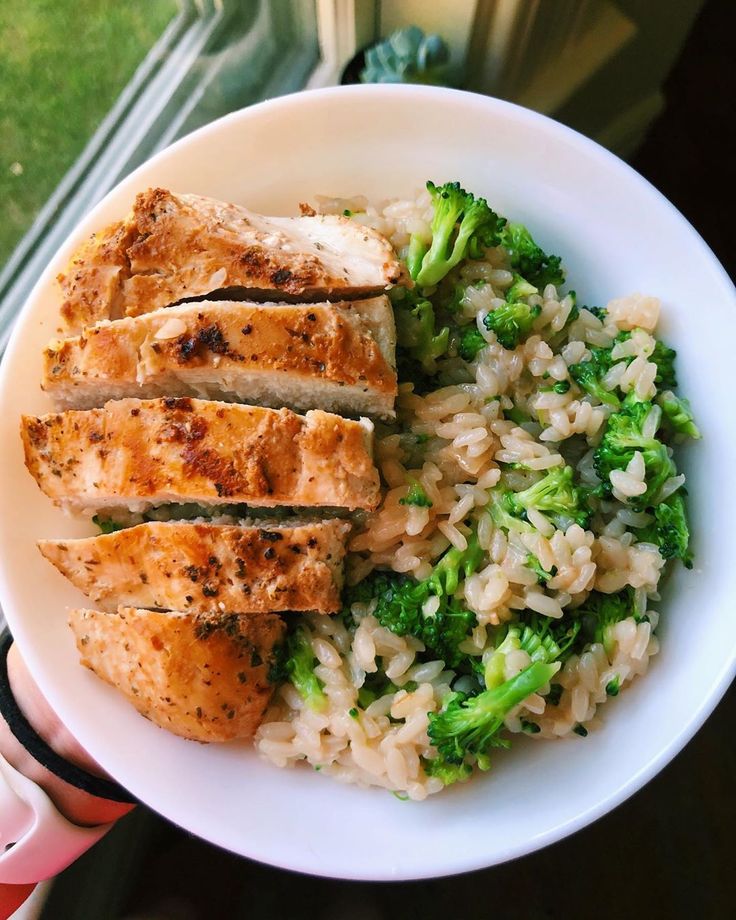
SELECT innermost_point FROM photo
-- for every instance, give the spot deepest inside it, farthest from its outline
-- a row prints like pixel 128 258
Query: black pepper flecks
pixel 273 536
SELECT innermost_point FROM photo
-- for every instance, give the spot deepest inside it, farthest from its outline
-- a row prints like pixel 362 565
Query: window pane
pixel 62 65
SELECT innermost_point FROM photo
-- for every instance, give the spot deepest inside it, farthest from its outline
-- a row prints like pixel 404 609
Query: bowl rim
pixel 719 681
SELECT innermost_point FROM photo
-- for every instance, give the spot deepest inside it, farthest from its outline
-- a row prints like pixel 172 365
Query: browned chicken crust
pixel 307 356
pixel 176 246
pixel 201 676
pixel 201 568
pixel 136 453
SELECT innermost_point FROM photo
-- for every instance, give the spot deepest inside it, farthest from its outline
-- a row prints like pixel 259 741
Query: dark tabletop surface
pixel 668 852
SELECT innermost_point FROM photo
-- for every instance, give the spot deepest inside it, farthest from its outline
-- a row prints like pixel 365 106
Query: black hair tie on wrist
pixel 46 756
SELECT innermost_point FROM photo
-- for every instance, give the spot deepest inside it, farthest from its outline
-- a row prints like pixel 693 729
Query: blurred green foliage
pixel 62 65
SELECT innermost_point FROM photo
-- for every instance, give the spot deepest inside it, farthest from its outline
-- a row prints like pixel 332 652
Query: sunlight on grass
pixel 62 65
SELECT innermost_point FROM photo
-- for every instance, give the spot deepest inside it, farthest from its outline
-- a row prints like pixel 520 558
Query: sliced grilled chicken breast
pixel 173 247
pixel 203 567
pixel 201 676
pixel 133 454
pixel 325 356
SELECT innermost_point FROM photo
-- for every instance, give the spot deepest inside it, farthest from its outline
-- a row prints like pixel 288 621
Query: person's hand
pixel 78 806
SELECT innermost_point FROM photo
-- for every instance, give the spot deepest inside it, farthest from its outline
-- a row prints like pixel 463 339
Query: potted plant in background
pixel 406 56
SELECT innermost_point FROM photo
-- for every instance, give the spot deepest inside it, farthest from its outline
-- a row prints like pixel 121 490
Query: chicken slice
pixel 201 567
pixel 201 676
pixel 134 454
pixel 325 356
pixel 173 247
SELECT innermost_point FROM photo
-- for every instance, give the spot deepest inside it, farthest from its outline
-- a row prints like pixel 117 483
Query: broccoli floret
pixel 670 531
pixel 600 613
pixel 471 726
pixel 299 669
pixel 399 600
pixel 449 773
pixel 664 358
pixel 445 578
pixel 555 494
pixel 613 686
pixel 462 226
pixel 107 525
pixel 542 638
pixel 466 339
pixel 543 576
pixel 511 322
pixel 621 438
pixel 520 287
pixel 416 496
pixel 399 608
pixel 364 591
pixel 494 669
pixel 416 331
pixel 530 260
pixel 678 415
pixel 600 312
pixel 442 632
pixel 469 342
pixel 588 375
pixel 548 639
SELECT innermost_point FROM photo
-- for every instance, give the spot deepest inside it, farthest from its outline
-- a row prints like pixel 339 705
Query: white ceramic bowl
pixel 617 235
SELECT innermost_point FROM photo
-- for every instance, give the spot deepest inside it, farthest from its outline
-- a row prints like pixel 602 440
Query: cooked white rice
pixel 465 437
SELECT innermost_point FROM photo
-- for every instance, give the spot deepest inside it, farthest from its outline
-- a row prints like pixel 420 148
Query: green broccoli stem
pixel 677 414
pixel 446 576
pixel 471 726
pixel 300 670
pixel 500 701
pixel 417 251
